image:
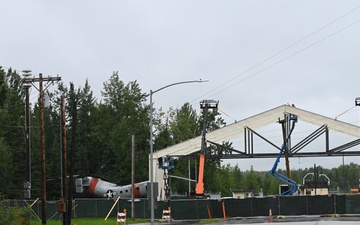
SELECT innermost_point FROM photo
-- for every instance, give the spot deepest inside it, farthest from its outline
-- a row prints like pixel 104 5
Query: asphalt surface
pixel 294 220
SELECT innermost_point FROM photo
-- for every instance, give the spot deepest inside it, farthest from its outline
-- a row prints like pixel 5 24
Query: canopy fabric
pixel 257 121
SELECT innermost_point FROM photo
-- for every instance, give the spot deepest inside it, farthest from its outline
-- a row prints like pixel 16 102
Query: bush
pixel 14 215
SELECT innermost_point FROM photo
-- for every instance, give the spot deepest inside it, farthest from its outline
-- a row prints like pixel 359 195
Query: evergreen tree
pixel 122 114
pixel 12 135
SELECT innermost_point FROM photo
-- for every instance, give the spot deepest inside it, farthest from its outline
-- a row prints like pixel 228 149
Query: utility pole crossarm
pixel 32 80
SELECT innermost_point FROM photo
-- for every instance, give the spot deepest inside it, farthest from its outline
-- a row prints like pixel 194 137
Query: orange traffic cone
pixel 270 216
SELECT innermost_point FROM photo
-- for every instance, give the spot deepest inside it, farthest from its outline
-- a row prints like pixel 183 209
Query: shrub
pixel 13 215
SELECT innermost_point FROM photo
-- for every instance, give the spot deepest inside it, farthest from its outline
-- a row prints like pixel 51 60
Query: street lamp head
pixel 200 81
pixel 26 73
pixel 357 101
pixel 211 104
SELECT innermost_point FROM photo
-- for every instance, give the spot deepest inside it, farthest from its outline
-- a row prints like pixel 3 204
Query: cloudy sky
pixel 256 54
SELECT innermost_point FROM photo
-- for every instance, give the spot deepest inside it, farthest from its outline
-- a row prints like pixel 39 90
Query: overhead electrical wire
pixel 281 51
pixel 276 54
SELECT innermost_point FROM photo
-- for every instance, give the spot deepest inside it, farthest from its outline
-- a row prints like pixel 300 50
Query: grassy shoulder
pixel 209 221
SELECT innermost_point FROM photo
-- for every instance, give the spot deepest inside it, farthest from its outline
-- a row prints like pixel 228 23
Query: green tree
pixel 12 121
pixel 164 137
pixel 252 181
pixel 85 154
pixel 122 114
pixel 226 180
pixel 184 123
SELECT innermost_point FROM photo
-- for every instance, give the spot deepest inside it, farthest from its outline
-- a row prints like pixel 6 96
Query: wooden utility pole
pixel 41 89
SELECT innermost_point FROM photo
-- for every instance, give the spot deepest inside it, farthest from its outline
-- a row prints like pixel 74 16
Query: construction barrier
pixel 166 215
pixel 121 217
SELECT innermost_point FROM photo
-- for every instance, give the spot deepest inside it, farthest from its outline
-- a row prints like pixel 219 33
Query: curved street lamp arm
pixel 182 82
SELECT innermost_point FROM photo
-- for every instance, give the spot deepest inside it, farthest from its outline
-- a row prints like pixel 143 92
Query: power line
pixel 278 62
pixel 279 52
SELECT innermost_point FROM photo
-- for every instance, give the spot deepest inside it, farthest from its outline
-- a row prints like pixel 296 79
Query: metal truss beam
pixel 293 151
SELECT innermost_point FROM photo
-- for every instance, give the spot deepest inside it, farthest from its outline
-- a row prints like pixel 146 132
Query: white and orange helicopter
pixel 95 187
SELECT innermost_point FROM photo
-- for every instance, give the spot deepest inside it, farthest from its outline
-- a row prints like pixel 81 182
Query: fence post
pixel 307 205
pixel 223 209
pixel 279 205
pixel 96 214
pixel 335 204
pixel 251 208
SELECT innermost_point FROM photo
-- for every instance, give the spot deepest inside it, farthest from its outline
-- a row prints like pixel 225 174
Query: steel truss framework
pixel 246 128
pixel 294 151
pixel 290 151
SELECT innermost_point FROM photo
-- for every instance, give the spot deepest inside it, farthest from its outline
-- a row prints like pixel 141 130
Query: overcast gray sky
pixel 256 54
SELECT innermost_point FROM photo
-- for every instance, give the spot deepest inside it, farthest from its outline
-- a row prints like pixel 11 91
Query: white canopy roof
pixel 257 121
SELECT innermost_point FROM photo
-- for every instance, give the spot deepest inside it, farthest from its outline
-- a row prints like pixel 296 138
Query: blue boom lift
pixel 292 184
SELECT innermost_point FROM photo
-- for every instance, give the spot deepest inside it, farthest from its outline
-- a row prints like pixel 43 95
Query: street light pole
pixel 27 184
pixel 151 142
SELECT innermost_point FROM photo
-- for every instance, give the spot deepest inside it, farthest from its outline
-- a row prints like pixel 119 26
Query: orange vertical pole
pixel 209 213
pixel 223 208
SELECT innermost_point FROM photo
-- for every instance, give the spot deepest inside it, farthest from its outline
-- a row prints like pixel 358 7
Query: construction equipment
pixel 205 105
pixel 292 184
pixel 166 163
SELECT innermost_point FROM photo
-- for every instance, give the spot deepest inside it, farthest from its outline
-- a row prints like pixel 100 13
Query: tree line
pixel 103 140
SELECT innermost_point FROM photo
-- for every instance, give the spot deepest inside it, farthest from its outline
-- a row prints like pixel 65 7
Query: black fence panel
pixel 293 205
pixel 262 206
pixel 339 202
pixel 320 204
pixel 184 209
pixel 352 203
pixel 86 208
pixel 238 207
pixel 217 209
pixel 104 207
pixel 204 209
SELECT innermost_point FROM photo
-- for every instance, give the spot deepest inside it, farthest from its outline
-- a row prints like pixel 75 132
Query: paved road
pixel 280 223
pixel 311 223
pixel 273 223
pixel 300 220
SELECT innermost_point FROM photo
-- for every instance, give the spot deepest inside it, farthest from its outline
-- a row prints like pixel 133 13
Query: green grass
pixel 89 221
pixel 210 221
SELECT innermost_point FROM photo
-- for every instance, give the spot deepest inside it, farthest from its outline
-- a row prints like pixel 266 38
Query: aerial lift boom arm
pixel 205 105
pixel 292 184
pixel 200 183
